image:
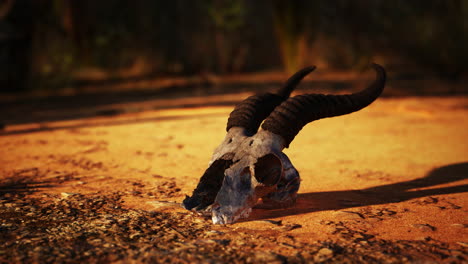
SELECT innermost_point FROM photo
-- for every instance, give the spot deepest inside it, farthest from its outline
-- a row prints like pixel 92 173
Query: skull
pixel 259 169
pixel 249 165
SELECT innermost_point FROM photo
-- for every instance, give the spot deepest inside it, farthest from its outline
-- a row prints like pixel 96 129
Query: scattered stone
pixel 388 212
pixel 428 200
pixel 463 244
pixel 358 236
pixel 425 227
pixel 164 204
pixel 66 195
pixel 97 228
pixel 425 238
pixel 267 257
pixel 323 254
pixel 459 225
pixel 215 232
pixel 347 215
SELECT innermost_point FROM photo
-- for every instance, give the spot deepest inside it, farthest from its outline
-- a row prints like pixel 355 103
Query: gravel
pixel 97 228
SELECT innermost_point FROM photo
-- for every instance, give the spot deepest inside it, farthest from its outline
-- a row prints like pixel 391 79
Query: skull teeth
pixel 221 219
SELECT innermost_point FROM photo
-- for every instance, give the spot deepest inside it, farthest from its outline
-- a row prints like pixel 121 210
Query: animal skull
pixel 249 165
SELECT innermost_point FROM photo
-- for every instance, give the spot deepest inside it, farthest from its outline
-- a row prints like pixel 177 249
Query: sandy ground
pixel 395 171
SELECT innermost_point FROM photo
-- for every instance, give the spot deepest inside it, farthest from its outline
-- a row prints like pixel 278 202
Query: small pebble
pixel 347 215
pixel 425 227
pixel 66 195
pixel 463 244
pixel 323 254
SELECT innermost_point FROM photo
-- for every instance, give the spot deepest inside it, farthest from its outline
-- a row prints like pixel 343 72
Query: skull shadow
pixel 385 194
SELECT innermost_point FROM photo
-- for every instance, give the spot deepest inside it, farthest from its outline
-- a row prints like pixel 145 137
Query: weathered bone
pixel 250 165
pixel 243 121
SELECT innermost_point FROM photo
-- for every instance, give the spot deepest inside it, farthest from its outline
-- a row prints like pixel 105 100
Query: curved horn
pixel 250 113
pixel 292 115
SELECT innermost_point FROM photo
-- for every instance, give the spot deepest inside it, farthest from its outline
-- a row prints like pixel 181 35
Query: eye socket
pixel 268 169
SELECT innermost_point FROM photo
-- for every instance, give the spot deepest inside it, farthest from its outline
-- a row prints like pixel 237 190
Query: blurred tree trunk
pixel 290 27
pixel 5 8
pixel 229 19
pixel 76 23
pixel 16 31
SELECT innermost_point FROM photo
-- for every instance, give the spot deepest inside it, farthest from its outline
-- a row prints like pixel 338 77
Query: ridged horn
pixel 250 113
pixel 293 114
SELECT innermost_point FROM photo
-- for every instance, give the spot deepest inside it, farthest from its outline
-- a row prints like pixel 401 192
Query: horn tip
pixel 310 68
pixel 379 69
pixel 376 66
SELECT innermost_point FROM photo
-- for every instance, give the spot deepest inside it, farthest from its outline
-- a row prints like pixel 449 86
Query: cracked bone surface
pixel 249 164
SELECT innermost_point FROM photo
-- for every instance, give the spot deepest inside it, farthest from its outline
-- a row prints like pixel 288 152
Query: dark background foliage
pixel 52 43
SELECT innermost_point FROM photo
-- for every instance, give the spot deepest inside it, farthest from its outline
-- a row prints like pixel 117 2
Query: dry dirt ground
pixel 387 184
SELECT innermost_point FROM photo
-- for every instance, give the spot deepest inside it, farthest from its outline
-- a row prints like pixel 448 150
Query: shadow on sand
pixel 391 193
pixel 27 181
pixel 104 123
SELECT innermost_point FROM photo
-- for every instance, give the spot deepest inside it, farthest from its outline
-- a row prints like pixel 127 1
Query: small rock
pixel 458 225
pixel 162 204
pixel 66 195
pixel 323 254
pixel 425 227
pixel 269 257
pixel 241 243
pixel 425 238
pixel 215 232
pixel 347 215
pixel 134 235
pixel 358 236
pixel 388 212
pixel 326 222
pixel 428 200
pixel 463 244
